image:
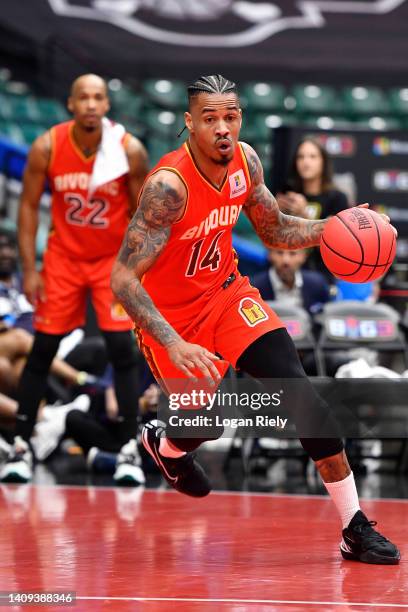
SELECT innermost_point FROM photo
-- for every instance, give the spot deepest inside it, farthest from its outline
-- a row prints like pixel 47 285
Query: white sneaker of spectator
pixel 50 429
pixel 5 448
pixel 128 465
pixel 19 464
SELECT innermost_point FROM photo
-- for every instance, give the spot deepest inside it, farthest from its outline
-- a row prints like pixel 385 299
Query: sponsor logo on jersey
pixel 252 312
pixel 238 184
pixel 218 217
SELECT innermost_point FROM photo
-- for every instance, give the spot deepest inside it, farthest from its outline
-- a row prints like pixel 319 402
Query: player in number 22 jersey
pixel 83 226
pixel 95 172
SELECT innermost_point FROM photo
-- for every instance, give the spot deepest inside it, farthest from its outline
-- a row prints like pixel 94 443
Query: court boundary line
pixel 214 492
pixel 244 601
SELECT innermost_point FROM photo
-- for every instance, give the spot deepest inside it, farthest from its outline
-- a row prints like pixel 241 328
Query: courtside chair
pixel 363 101
pixel 326 122
pixel 31 131
pixel 5 108
pixel 267 97
pixel 316 99
pixel 260 126
pixel 379 123
pixel 5 76
pixel 166 123
pixel 23 108
pixel 349 325
pixel 12 131
pixel 352 324
pixel 398 100
pixel 165 93
pixel 51 111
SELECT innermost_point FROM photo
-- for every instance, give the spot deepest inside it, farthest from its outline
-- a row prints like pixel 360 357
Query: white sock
pixel 168 450
pixel 345 497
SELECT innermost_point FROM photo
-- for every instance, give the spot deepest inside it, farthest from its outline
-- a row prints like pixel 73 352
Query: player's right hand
pixel 187 357
pixel 33 287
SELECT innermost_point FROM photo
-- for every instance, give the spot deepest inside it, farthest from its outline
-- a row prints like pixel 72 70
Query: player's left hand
pixel 383 216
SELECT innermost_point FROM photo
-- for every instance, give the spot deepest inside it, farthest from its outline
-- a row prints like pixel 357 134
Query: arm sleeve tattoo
pixel 274 228
pixel 161 204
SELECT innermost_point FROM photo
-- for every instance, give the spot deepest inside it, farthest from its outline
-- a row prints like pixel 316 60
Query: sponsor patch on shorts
pixel 118 313
pixel 251 311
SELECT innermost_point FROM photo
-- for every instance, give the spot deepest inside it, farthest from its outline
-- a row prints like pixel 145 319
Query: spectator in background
pixel 16 324
pixel 309 191
pixel 285 281
pixel 95 431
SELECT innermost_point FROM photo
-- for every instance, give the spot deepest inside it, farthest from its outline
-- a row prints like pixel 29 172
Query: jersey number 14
pixel 211 259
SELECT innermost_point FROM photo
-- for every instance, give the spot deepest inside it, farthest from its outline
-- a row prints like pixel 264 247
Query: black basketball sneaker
pixel 362 543
pixel 184 474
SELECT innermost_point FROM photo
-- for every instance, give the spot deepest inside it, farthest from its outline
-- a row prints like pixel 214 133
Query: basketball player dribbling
pixel 177 278
pixel 87 229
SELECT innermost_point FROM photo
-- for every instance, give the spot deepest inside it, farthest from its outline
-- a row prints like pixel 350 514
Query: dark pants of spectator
pixel 122 353
pixel 88 431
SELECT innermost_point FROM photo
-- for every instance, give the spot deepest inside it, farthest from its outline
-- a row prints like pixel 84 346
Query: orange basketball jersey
pixel 82 226
pixel 198 257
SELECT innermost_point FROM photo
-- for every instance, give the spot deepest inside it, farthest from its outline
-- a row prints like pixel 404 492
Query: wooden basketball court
pixel 135 549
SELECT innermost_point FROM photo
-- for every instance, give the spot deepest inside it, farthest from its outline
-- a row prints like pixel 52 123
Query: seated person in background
pixel 16 324
pixel 96 431
pixel 288 283
pixel 310 192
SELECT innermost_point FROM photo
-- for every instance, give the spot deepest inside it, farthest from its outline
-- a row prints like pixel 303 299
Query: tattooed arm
pixel 161 204
pixel 274 228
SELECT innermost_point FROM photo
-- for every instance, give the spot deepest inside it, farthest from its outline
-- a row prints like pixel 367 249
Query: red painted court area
pixel 129 549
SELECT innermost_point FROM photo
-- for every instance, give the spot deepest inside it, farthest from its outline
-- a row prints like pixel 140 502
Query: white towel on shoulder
pixel 111 160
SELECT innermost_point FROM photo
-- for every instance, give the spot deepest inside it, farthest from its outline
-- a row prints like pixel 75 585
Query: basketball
pixel 357 245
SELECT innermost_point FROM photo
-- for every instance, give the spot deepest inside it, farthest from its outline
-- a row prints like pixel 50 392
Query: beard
pixel 287 276
pixel 223 161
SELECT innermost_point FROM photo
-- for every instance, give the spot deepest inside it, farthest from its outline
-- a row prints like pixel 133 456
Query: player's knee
pixel 5 368
pixel 44 349
pixel 74 421
pixel 22 341
pixel 122 349
pixel 321 448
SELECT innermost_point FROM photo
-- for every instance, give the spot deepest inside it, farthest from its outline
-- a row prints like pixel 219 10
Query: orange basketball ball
pixel 357 245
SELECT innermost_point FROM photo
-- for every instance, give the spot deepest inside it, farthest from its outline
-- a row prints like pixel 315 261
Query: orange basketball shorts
pixel 233 320
pixel 67 283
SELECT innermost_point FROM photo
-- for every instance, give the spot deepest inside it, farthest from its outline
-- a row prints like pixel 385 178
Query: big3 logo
pixel 244 22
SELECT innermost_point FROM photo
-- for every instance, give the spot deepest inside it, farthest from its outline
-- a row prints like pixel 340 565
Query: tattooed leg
pixel 335 468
